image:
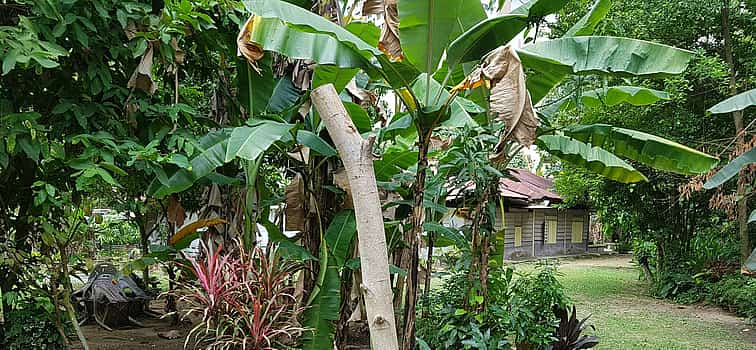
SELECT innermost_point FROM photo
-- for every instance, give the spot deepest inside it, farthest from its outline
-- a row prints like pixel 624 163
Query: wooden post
pixel 356 154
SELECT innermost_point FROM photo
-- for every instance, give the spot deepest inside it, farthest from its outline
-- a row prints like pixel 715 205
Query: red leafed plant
pixel 245 300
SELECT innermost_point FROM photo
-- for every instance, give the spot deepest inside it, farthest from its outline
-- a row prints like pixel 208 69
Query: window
pixel 551 229
pixel 577 231
pixel 518 236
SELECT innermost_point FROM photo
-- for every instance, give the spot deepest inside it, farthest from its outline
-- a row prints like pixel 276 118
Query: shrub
pixel 736 293
pixel 245 300
pixel 518 307
pixel 31 325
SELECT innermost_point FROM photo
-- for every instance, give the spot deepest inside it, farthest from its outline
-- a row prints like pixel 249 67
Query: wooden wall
pixel 534 234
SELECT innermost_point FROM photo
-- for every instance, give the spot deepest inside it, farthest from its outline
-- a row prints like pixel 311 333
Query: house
pixel 530 221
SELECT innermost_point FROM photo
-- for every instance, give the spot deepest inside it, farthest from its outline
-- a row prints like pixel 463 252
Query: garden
pixel 377 174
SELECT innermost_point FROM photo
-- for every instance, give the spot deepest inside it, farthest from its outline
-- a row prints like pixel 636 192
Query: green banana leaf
pixel 654 151
pixel 736 103
pixel 485 36
pixel 731 169
pixel 323 311
pixel 340 234
pixel 438 96
pixel 550 61
pixel 752 218
pixel 398 74
pixel 426 27
pixel 595 159
pixel 329 74
pixel 267 93
pixel 587 24
pixel 316 143
pixel 537 9
pixel 393 161
pixel 249 142
pixel 273 34
pixel 305 21
pixel 213 147
pixel 614 95
pixel 446 236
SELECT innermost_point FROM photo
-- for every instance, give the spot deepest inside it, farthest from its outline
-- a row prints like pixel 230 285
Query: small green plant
pixel 31 325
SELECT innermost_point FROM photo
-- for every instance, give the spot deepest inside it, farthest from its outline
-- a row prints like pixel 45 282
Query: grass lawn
pixel 626 318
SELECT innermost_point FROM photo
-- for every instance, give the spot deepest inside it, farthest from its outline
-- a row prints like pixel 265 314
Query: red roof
pixel 528 186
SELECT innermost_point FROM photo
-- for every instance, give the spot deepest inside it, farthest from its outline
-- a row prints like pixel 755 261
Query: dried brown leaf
pixel 389 42
pixel 251 51
pixel 142 77
pixel 510 100
pixel 175 213
pixel 295 205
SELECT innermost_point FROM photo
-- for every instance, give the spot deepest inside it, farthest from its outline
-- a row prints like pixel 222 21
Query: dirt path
pixel 135 338
pixel 618 296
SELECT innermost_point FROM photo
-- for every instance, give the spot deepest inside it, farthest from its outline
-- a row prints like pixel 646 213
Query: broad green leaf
pixel 327 74
pixel 549 61
pixel 268 94
pixel 485 36
pixel 340 234
pixel 426 27
pixel 393 161
pixel 614 95
pixel 752 218
pixel 458 115
pixel 273 34
pixel 366 31
pixel 594 159
pixel 323 311
pixel 399 74
pixel 316 143
pixel 654 151
pixel 211 156
pixel 536 9
pixel 293 251
pixel 731 169
pixel 445 235
pixel 587 24
pixel 306 21
pixel 249 142
pixel 736 103
pixel 359 116
pixel 9 61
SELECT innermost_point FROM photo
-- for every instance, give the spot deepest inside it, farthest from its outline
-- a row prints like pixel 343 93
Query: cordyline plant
pixel 245 300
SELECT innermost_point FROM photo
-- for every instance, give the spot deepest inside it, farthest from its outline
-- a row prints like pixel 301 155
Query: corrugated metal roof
pixel 528 186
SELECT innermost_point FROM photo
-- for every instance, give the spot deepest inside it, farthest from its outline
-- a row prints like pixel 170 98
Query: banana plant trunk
pixel 356 154
pixel 413 241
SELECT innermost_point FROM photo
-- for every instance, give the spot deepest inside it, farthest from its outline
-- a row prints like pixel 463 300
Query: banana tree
pixel 427 53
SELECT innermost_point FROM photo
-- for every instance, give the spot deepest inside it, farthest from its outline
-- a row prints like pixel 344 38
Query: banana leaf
pixel 323 311
pixel 595 159
pixel 654 151
pixel 485 36
pixel 426 27
pixel 537 9
pixel 736 103
pixel 249 142
pixel 587 24
pixel 731 169
pixel 340 234
pixel 551 60
pixel 614 95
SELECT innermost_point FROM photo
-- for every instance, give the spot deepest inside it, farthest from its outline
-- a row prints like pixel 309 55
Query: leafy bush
pixel 518 307
pixel 736 293
pixel 117 232
pixel 30 325
pixel 244 299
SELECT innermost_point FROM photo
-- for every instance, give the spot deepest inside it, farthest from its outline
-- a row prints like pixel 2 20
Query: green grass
pixel 626 318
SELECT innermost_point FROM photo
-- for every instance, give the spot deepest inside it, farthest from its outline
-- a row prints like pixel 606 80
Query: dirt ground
pixel 135 338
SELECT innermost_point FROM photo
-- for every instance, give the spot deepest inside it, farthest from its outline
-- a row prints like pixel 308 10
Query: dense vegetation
pixel 687 236
pixel 215 119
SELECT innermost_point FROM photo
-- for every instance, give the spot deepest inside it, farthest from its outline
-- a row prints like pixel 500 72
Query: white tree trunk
pixel 356 154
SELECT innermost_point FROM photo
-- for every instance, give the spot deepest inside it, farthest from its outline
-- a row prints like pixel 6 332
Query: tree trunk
pixel 428 266
pixel 737 116
pixel 67 290
pixel 418 218
pixel 356 154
